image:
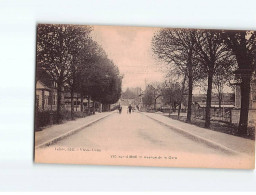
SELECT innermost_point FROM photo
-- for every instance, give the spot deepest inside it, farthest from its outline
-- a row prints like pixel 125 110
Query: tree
pixel 55 46
pixel 172 94
pixel 71 58
pixel 152 93
pixel 88 71
pixel 82 52
pixel 157 91
pixel 176 47
pixel 104 81
pixel 212 56
pixel 148 97
pixel 222 78
pixel 128 94
pixel 243 46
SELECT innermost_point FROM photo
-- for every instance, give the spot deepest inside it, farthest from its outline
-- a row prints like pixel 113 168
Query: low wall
pixel 251 117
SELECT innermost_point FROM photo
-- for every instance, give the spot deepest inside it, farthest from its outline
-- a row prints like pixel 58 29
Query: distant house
pixel 131 96
pixel 46 96
pixel 46 91
pixel 228 100
pixel 76 100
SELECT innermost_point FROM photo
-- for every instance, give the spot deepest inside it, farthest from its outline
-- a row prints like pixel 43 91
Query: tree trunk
pixel 93 107
pixel 59 103
pixel 100 107
pixel 220 97
pixel 155 105
pixel 190 90
pixel 72 103
pixel 179 110
pixel 170 106
pixel 208 101
pixel 82 103
pixel 220 100
pixel 182 91
pixel 190 85
pixel 174 107
pixel 76 100
pixel 89 106
pixel 245 98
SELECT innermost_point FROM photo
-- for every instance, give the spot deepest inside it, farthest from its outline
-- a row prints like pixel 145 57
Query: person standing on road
pixel 120 109
pixel 130 109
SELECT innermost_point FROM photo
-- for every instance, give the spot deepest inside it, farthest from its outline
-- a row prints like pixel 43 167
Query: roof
pixel 40 85
pixel 44 77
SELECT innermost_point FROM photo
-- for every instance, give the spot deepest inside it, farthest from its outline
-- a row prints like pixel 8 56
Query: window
pixel 54 100
pixel 45 100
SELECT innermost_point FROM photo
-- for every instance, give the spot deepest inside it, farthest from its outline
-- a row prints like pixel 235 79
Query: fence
pixel 217 114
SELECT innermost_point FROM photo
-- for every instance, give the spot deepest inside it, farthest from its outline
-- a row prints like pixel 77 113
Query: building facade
pixel 46 97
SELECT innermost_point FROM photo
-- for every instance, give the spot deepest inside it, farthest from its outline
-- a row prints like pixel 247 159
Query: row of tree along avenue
pixel 76 63
pixel 210 58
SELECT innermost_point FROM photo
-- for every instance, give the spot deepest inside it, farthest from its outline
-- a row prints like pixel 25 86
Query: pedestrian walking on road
pixel 120 109
pixel 130 109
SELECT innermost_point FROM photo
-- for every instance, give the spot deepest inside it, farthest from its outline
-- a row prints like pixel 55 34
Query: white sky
pixel 130 49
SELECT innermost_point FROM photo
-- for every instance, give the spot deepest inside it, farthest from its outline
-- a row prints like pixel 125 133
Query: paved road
pixel 114 139
pixel 133 132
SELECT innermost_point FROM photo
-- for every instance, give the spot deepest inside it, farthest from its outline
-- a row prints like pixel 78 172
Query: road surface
pixel 132 132
pixel 114 139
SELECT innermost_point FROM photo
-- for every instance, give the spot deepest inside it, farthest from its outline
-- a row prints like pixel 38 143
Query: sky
pixel 130 49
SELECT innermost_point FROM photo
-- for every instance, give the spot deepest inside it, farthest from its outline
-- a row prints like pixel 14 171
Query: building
pixel 228 100
pixel 77 102
pixel 46 96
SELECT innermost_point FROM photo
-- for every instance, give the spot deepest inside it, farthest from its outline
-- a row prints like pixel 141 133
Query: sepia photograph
pixel 145 96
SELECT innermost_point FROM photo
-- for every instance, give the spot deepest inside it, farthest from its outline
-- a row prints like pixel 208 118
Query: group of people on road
pixel 129 109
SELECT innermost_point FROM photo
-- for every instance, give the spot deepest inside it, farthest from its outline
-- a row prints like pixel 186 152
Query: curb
pixel 198 138
pixel 71 132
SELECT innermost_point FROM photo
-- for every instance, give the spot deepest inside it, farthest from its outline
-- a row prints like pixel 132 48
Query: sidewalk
pixel 56 132
pixel 221 141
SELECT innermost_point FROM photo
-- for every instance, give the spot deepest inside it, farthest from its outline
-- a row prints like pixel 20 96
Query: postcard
pixel 145 96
